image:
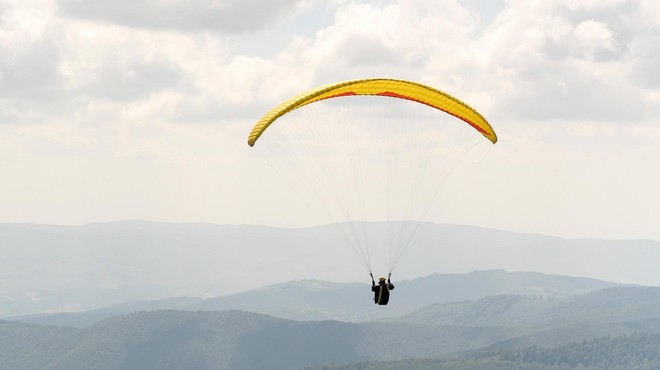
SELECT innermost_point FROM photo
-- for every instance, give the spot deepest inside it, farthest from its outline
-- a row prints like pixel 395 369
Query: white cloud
pixel 231 16
pixel 537 60
pixel 564 62
pixel 594 37
pixel 29 64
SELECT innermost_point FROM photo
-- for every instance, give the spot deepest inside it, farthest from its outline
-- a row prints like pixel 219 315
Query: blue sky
pixel 140 109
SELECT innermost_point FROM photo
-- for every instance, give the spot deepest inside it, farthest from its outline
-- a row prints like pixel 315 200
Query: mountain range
pixel 465 332
pixel 140 295
pixel 51 268
pixel 307 300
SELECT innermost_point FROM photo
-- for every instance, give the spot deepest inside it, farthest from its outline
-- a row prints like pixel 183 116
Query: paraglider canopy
pixel 381 87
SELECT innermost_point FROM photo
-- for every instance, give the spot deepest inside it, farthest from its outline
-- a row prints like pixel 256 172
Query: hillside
pixel 488 331
pixel 309 300
pixel 27 346
pixel 609 305
pixel 226 340
pixel 637 351
pixel 320 300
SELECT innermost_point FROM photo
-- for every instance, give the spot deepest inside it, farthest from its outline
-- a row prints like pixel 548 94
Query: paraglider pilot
pixel 382 290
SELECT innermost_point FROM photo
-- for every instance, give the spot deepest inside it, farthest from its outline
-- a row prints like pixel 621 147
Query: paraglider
pixel 382 290
pixel 345 166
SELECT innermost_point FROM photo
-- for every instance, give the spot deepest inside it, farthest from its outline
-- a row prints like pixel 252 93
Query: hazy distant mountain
pixel 610 305
pixel 314 300
pixel 319 300
pixel 46 268
pixel 242 340
pixel 87 318
pixel 552 322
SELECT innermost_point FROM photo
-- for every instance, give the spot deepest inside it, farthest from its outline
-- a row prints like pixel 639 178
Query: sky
pixel 113 110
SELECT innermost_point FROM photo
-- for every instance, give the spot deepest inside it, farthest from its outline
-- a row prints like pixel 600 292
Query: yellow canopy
pixel 380 87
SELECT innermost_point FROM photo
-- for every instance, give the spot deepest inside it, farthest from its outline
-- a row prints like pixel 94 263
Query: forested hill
pixel 241 340
pixel 224 340
pixel 637 351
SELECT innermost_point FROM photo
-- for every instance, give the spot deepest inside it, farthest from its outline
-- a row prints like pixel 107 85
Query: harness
pixel 380 292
